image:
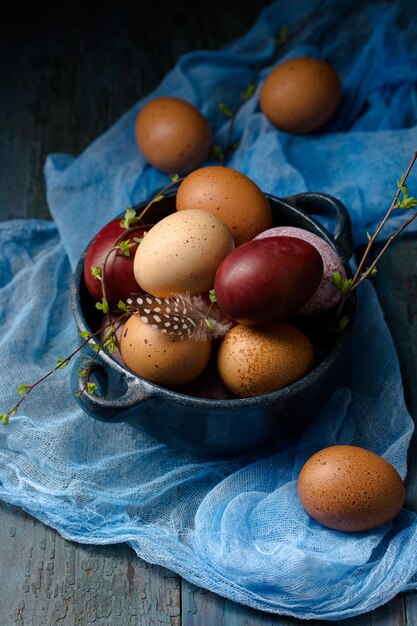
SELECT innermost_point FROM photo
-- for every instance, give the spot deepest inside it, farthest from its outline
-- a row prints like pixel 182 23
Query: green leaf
pixel 103 306
pixel 95 272
pixel 23 389
pixel 110 332
pixel 62 363
pixel 121 305
pixel 126 245
pixel 4 418
pixel 95 346
pixel 174 177
pixel 216 152
pixel 346 286
pixel 82 373
pixel 337 280
pixel 13 411
pixel 111 344
pixel 226 110
pixel 209 323
pixel 344 322
pixel 405 202
pixel 84 334
pixel 249 91
pixel 368 235
pixel 91 388
pixel 129 219
pixel 282 35
pixel 138 239
pixel 159 198
pixel 212 295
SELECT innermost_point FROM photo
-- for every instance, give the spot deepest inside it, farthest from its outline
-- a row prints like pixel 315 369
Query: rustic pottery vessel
pixel 186 417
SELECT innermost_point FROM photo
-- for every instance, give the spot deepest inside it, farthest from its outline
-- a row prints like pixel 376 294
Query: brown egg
pixel 253 361
pixel 162 359
pixel 172 135
pixel 231 196
pixel 300 95
pixel 351 489
pixel 181 253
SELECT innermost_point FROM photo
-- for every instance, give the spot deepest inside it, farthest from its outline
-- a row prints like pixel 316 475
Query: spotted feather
pixel 188 317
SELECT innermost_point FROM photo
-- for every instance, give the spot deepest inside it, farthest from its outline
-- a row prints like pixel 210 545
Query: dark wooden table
pixel 68 72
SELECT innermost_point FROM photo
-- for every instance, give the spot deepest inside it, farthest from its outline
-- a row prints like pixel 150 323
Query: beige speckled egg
pixel 300 95
pixel 162 359
pixel 231 196
pixel 181 253
pixel 172 135
pixel 351 489
pixel 255 360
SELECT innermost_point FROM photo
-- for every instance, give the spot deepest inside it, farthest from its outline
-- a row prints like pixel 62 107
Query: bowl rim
pixel 275 397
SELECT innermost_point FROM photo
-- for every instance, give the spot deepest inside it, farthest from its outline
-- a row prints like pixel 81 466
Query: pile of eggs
pixel 221 238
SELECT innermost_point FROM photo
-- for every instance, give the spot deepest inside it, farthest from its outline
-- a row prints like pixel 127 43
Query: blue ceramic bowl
pixel 207 420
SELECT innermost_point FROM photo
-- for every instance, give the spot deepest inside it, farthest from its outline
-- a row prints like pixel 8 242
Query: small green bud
pixel 96 272
pixel 226 110
pixel 23 389
pixel 91 388
pixel 122 306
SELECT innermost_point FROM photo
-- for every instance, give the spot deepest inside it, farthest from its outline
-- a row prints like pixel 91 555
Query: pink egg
pixel 326 295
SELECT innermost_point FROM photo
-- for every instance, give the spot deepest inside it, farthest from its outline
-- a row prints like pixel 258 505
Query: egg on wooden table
pixel 326 295
pixel 351 489
pixel 230 196
pixel 181 253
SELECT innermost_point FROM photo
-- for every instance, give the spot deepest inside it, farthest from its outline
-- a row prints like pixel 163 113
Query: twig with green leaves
pixel 131 223
pixel 281 40
pixel 401 200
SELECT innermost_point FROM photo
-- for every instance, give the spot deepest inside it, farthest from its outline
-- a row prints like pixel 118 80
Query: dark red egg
pixel 119 277
pixel 267 280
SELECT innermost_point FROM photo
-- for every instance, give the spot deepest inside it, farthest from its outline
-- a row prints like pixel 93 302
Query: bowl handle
pixel 119 392
pixel 316 203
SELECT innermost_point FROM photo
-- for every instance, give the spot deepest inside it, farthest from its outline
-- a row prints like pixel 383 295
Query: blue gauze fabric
pixel 234 527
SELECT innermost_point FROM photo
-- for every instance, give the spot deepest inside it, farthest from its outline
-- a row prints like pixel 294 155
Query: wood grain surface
pixel 68 71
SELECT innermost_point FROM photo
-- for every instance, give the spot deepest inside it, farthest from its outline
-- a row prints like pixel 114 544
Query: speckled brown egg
pixel 181 253
pixel 300 95
pixel 351 489
pixel 172 135
pixel 162 359
pixel 256 360
pixel 231 196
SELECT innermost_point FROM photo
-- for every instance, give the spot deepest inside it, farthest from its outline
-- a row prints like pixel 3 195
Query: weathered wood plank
pixel 47 580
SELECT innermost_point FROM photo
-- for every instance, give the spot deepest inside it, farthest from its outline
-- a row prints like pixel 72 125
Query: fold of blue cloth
pixel 235 526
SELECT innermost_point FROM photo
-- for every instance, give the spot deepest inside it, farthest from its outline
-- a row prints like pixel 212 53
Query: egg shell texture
pixel 160 358
pixel 300 95
pixel 350 489
pixel 120 280
pixel 181 253
pixel 327 295
pixel 172 135
pixel 231 196
pixel 254 361
pixel 267 280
